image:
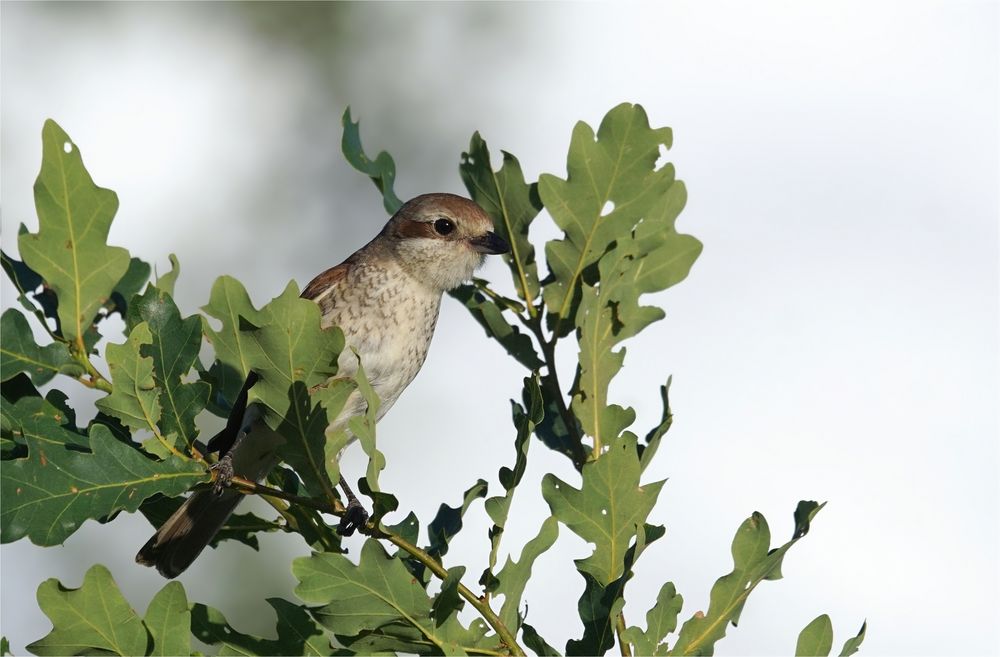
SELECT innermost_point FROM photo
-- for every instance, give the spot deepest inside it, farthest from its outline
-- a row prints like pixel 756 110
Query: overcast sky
pixel 837 340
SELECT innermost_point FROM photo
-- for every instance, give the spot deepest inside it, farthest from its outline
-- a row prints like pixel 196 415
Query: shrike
pixel 385 298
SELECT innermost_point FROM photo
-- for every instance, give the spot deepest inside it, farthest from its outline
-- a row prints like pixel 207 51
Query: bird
pixel 385 297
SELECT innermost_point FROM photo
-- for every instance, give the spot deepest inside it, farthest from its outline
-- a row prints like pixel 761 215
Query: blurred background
pixel 836 341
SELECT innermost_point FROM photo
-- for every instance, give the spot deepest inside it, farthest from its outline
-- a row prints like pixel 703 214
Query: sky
pixel 837 340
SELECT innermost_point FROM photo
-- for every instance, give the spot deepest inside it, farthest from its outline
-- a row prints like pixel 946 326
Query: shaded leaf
pixel 44 421
pixel 816 638
pixel 607 510
pixel 753 562
pixel 382 170
pixel 852 645
pixel 448 601
pixel 49 494
pixel 297 633
pixel 536 643
pixel 597 606
pixel 168 621
pixel 512 204
pixel 173 346
pixel 70 251
pixel 552 430
pixel 448 520
pixel 647 452
pixel 490 317
pixel 20 353
pixel 93 618
pixel 27 281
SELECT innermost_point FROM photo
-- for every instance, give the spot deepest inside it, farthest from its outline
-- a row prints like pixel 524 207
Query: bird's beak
pixel 490 243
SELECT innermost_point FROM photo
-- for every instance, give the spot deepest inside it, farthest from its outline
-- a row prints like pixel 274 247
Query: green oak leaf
pixel 229 303
pixel 647 451
pixel 70 250
pixel 513 577
pixel 297 633
pixel 753 562
pixel 382 170
pixel 169 279
pixel 616 166
pixel 512 204
pixel 174 347
pixel 661 620
pixel 27 281
pixel 852 645
pixel 42 420
pixel 52 491
pixel 20 353
pixel 490 316
pixel 448 520
pixel 168 620
pixel 534 641
pixel 93 619
pixel 134 398
pixel 377 591
pixel 448 601
pixel 607 510
pixel 816 638
pixel 652 258
pixel 596 607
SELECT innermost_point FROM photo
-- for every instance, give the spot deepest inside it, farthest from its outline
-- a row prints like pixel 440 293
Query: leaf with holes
pixel 607 510
pixel 20 353
pixel 51 492
pixel 753 562
pixel 93 619
pixel 70 250
pixel 174 345
pixel 617 166
pixel 512 203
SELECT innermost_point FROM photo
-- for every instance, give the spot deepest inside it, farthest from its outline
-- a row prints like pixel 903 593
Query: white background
pixel 836 341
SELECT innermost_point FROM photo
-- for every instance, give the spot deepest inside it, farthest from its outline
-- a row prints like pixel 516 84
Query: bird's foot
pixel 355 517
pixel 223 473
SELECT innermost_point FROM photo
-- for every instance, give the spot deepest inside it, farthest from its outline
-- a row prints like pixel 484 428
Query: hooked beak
pixel 490 243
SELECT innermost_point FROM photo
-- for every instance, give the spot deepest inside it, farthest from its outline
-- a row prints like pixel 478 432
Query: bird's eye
pixel 444 226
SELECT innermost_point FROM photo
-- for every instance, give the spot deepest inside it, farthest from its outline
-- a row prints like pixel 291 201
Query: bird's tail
pixel 186 533
pixel 193 526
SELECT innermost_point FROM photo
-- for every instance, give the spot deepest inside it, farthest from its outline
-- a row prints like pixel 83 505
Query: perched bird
pixel 385 298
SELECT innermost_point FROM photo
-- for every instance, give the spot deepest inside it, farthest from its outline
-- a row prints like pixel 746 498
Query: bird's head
pixel 441 239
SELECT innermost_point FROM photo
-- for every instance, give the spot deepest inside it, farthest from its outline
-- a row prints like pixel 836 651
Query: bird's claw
pixel 224 474
pixel 355 517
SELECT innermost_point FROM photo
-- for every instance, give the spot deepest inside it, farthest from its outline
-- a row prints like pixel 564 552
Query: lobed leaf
pixel 229 303
pixel 513 204
pixel 20 353
pixel 134 398
pixel 448 520
pixel 607 510
pixel 382 170
pixel 70 250
pixel 297 633
pixel 173 347
pixel 43 420
pixel 94 618
pixel 513 577
pixel 661 620
pixel 489 314
pixel 52 491
pixel 168 620
pixel 852 645
pixel 753 562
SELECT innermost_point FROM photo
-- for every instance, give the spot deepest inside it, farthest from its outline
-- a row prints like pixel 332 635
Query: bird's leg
pixel 355 515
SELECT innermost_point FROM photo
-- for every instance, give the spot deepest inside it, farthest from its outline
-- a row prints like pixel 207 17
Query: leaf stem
pixel 623 645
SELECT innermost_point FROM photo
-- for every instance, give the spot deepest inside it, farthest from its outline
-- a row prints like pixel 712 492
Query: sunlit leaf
pixel 609 508
pixel 134 398
pixel 816 638
pixel 661 620
pixel 513 577
pixel 852 645
pixel 52 491
pixel 94 618
pixel 70 250
pixel 168 620
pixel 753 562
